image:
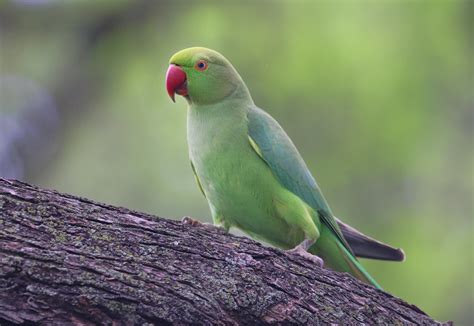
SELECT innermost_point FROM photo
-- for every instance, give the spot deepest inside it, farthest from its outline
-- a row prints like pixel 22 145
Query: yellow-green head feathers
pixel 210 77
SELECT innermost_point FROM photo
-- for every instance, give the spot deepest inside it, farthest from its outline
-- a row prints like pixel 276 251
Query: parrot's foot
pixel 301 251
pixel 190 221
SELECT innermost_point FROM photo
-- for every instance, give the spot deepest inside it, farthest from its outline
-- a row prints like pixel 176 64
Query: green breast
pixel 236 181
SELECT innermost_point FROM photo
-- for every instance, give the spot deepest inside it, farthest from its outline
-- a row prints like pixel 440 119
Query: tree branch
pixel 65 259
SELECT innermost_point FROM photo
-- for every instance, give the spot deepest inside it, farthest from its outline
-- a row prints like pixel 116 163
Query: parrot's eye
pixel 201 65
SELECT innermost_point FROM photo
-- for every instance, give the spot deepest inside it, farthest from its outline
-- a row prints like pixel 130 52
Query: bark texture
pixel 69 260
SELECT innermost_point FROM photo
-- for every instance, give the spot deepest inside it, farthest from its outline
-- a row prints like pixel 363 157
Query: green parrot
pixel 252 174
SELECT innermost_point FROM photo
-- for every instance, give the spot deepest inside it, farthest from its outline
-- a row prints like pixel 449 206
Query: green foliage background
pixel 377 96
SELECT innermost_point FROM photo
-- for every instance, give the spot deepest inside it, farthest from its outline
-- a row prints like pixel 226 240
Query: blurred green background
pixel 377 96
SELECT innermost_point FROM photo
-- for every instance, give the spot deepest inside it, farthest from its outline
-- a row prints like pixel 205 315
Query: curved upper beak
pixel 176 81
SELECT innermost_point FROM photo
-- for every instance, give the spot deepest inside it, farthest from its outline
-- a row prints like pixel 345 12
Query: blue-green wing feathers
pixel 274 146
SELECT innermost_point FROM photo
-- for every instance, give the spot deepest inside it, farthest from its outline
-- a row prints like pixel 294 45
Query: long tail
pixel 337 257
pixel 366 247
pixel 356 268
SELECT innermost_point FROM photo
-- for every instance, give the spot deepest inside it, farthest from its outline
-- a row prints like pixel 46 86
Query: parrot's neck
pixel 214 128
pixel 240 95
pixel 229 113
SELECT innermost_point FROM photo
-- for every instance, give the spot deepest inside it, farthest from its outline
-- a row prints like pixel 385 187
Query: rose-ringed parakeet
pixel 251 173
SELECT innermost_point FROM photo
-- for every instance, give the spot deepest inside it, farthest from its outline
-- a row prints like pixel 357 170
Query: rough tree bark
pixel 69 260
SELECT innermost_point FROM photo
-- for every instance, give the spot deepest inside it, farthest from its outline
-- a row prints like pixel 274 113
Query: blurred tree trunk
pixel 68 260
pixel 77 85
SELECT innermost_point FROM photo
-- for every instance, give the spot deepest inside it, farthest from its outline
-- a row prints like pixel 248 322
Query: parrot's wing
pixel 274 146
pixel 366 247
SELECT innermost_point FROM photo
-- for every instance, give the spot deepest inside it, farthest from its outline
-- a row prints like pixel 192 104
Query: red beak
pixel 176 81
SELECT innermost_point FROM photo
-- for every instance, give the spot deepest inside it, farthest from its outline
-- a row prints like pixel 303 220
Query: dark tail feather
pixel 366 247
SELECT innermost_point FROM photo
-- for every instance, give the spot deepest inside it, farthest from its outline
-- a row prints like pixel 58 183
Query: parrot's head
pixel 201 75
